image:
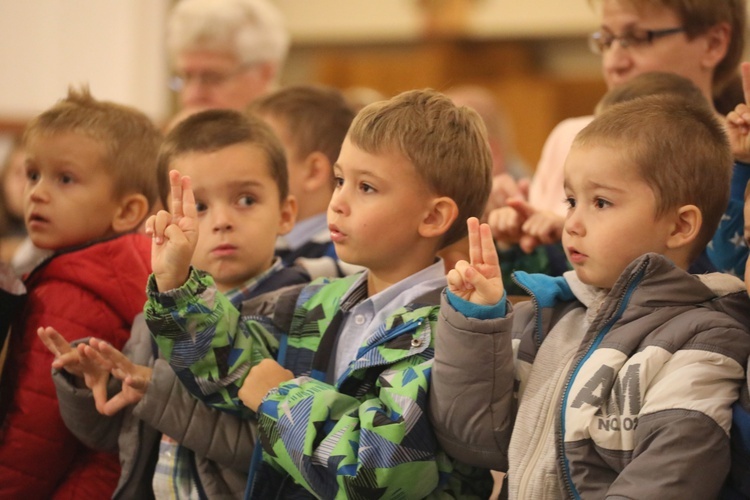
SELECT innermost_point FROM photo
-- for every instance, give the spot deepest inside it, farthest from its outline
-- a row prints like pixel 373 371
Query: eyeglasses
pixel 600 42
pixel 211 79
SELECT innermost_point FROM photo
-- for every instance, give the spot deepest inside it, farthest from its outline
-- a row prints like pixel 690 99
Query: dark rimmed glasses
pixel 601 41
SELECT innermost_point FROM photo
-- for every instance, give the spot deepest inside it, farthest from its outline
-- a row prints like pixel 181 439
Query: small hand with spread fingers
pixel 174 235
pixel 135 378
pixel 74 361
pixel 480 280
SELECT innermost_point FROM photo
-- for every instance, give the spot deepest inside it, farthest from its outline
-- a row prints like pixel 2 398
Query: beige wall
pixel 116 46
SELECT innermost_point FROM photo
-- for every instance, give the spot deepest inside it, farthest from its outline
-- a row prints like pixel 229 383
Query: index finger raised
pixel 175 187
pixel 745 70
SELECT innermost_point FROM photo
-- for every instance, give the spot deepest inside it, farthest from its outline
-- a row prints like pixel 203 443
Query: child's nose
pixel 222 220
pixel 37 191
pixel 574 224
pixel 338 202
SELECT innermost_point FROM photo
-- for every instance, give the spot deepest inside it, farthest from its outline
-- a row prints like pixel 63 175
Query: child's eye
pixel 570 202
pixel 338 181
pixel 601 203
pixel 200 207
pixel 246 201
pixel 366 188
pixel 66 179
pixel 32 175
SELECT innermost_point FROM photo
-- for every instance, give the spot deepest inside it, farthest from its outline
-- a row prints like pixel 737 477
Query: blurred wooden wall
pixel 535 99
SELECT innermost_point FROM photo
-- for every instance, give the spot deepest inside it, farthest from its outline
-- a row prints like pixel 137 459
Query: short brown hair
pixel 446 144
pixel 215 129
pixel 129 138
pixel 679 148
pixel 697 17
pixel 653 83
pixel 316 117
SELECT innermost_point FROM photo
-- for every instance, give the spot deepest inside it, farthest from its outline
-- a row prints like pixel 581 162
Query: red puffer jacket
pixel 94 291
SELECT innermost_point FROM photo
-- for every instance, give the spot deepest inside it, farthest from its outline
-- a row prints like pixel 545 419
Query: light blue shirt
pixel 363 320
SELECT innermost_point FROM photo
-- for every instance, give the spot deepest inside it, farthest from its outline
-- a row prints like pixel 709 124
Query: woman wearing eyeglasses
pixel 701 40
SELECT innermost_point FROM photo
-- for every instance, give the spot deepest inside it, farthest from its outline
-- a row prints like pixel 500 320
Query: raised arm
pixel 727 250
pixel 471 393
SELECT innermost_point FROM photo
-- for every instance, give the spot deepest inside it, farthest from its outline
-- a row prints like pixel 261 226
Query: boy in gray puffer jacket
pixel 616 380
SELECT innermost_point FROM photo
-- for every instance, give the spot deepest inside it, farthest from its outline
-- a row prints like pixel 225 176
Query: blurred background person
pixel 225 53
pixel 12 181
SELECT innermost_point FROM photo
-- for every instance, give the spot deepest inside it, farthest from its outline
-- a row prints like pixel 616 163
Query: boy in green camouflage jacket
pixel 342 407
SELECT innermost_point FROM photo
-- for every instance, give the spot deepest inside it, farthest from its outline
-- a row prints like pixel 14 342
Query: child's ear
pixel 439 218
pixel 686 227
pixel 131 212
pixel 318 172
pixel 288 214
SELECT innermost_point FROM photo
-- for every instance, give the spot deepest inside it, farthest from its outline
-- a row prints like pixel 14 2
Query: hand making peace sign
pixel 480 280
pixel 174 235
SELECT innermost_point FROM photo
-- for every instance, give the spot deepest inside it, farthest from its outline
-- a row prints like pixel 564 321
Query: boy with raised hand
pixel 342 412
pixel 617 380
pixel 311 121
pixel 91 180
pixel 169 442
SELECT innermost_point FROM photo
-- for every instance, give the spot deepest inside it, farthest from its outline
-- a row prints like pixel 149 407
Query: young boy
pixel 237 170
pixel 522 225
pixel 91 180
pixel 343 409
pixel 311 122
pixel 625 369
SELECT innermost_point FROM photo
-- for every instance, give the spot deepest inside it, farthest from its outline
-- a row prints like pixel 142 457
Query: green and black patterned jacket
pixel 366 436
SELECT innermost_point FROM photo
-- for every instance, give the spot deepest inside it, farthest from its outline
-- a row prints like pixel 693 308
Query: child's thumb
pixel 483 287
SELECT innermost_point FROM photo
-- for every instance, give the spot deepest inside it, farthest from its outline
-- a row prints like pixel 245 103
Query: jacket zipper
pixel 622 303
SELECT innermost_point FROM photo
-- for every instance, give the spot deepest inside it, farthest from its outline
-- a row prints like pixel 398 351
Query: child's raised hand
pixel 263 377
pixel 135 378
pixel 738 121
pixel 480 280
pixel 174 235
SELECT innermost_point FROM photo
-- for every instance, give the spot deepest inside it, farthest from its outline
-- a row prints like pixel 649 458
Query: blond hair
pixel 446 144
pixel 215 129
pixel 679 148
pixel 130 139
